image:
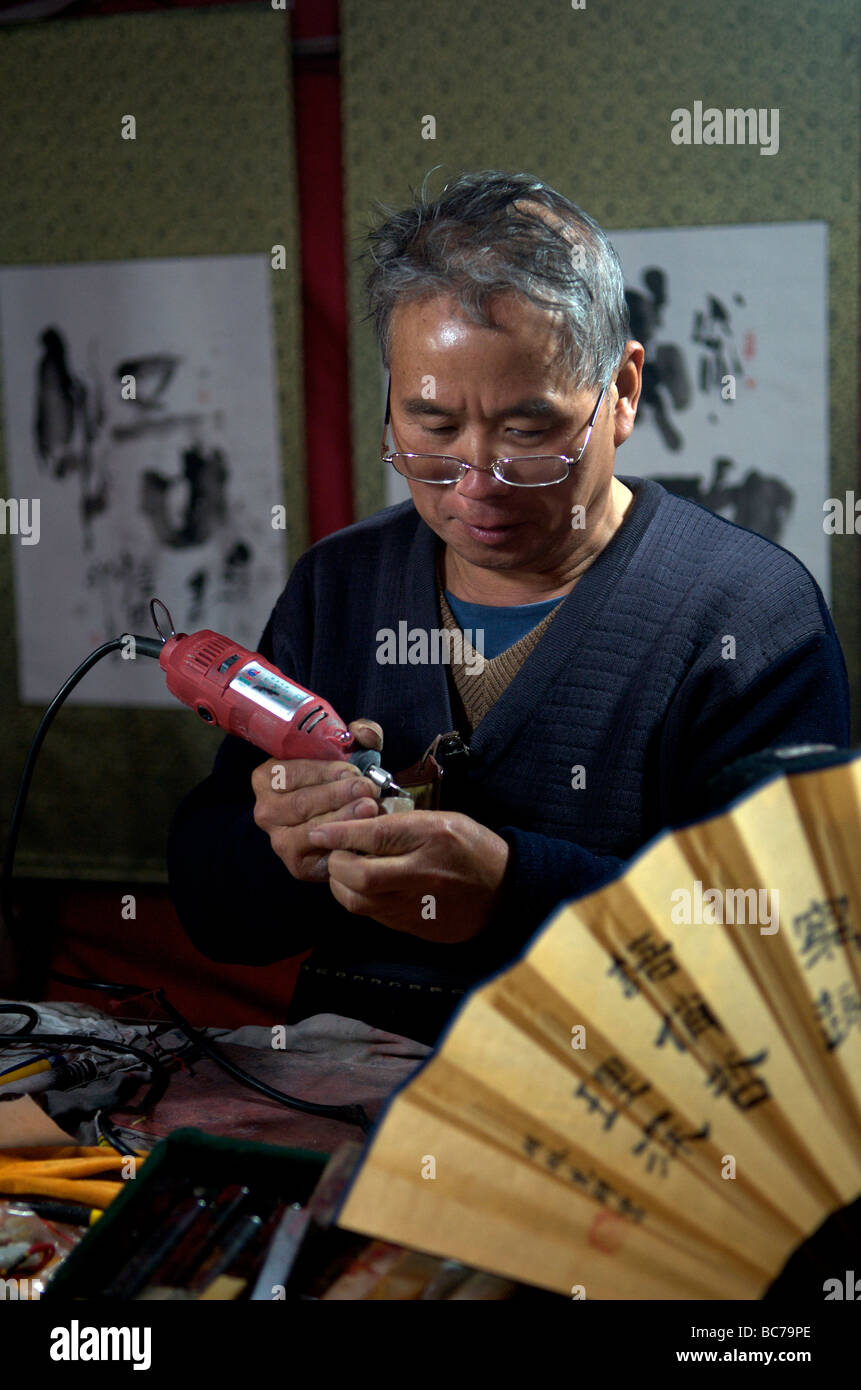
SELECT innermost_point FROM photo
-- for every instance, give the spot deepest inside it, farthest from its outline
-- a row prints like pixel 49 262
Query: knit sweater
pixel 475 691
pixel 688 643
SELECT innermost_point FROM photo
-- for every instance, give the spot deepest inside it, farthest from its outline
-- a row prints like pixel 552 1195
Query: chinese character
pixel 695 1016
pixel 839 1015
pixel 612 1074
pixel 654 1155
pixel 595 1104
pixel 746 1090
pixel 713 331
pixel 656 962
pixel 629 985
pixel 823 927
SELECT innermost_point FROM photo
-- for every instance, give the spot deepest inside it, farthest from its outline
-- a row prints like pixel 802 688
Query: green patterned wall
pixel 210 173
pixel 582 98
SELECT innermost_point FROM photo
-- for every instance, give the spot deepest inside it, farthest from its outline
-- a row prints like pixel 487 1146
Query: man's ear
pixel 628 385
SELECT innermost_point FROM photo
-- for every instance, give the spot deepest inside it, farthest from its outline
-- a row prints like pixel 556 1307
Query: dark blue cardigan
pixel 628 682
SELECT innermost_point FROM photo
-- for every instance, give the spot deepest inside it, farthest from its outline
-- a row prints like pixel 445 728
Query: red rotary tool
pixel 242 693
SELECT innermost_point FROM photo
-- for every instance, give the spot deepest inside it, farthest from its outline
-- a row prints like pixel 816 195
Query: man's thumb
pixel 367 733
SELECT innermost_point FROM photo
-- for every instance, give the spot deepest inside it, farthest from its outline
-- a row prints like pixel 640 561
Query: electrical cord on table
pixel 160 1074
pixel 31 1015
pixel 352 1114
pixel 105 1130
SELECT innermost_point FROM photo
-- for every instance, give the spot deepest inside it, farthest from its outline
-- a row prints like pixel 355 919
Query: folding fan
pixel 661 1099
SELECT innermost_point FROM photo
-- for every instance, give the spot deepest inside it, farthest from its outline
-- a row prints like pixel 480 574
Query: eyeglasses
pixel 537 470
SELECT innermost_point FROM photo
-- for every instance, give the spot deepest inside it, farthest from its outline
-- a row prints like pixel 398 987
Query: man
pixel 634 644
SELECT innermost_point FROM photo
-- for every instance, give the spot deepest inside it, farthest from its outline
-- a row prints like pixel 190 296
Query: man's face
pixel 493 393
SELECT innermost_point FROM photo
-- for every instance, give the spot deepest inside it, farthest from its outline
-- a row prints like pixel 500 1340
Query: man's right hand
pixel 295 795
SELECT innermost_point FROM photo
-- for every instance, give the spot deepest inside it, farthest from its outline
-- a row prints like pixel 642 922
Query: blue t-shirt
pixel 494 630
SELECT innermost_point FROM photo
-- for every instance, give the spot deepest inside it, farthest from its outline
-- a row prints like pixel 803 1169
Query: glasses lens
pixel 535 471
pixel 427 468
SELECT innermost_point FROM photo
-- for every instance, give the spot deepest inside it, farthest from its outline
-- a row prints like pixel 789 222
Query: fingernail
pixel 366 729
pixel 317 837
pixel 321 868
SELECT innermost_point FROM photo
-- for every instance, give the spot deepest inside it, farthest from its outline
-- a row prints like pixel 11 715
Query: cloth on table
pixel 326 1059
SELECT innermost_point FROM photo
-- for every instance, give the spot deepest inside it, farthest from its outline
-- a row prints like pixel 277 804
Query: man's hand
pixel 434 874
pixel 292 796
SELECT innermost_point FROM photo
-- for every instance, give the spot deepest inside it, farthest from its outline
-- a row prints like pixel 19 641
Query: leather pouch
pixel 442 761
pixel 421 783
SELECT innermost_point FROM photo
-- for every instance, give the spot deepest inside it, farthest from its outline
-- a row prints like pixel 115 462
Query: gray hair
pixel 472 243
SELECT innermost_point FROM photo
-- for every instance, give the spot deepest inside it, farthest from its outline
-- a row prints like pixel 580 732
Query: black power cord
pixel 25 1011
pixel 352 1114
pixel 149 646
pixel 105 1130
pixel 349 1114
pixel 160 1074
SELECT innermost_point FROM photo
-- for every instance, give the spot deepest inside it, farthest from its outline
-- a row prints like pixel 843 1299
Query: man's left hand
pixel 434 874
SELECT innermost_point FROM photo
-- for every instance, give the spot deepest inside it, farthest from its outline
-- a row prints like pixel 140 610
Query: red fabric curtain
pixel 319 167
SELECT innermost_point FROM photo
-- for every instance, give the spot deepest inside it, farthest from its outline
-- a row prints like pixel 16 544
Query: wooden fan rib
pixel 829 803
pixel 565 956
pixel 678 1210
pixel 492 1214
pixel 751 1204
pixel 765 842
pixel 707 955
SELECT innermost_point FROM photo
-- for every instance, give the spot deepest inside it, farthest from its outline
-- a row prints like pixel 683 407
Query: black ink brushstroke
pixel 206 507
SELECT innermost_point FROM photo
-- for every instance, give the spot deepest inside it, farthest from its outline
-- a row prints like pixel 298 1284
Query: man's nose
pixel 479 480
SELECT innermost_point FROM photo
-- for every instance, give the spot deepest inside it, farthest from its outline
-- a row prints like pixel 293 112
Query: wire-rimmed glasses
pixel 526 470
